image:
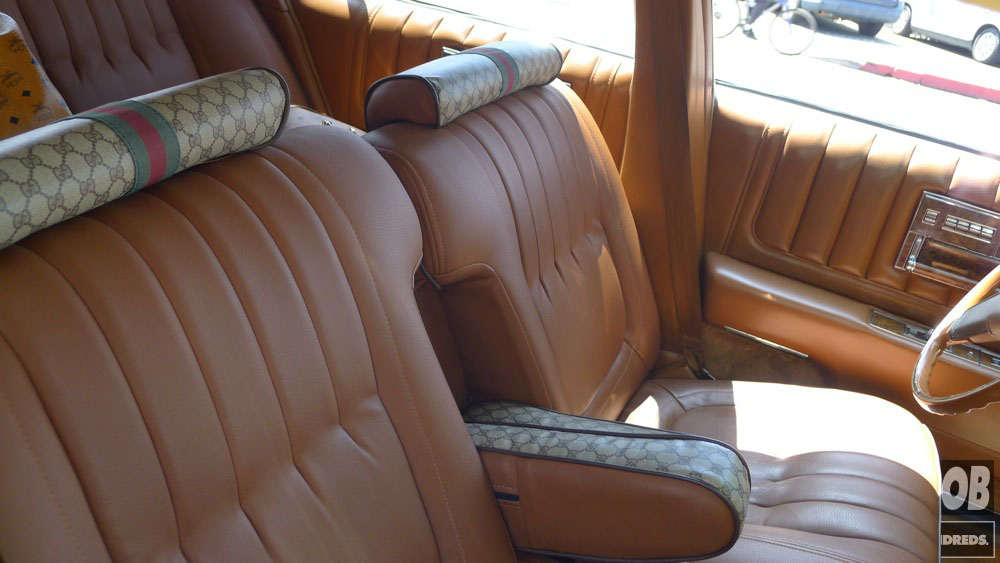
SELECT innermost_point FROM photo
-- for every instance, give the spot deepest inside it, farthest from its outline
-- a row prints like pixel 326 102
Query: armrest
pixel 570 485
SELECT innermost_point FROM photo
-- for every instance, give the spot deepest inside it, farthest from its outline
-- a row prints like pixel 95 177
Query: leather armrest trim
pixel 531 432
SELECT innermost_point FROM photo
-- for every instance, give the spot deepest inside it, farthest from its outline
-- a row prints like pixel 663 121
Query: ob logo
pixel 968 529
pixel 966 486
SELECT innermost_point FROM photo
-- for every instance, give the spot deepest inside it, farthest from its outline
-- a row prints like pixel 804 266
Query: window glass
pixel 924 66
pixel 608 25
pixel 928 67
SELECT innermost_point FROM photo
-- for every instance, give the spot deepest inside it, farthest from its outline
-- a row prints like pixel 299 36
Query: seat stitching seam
pixel 399 363
pixel 612 76
pixel 425 197
pixel 128 384
pixel 128 32
pixel 399 42
pixel 100 36
pixel 599 157
pixel 246 317
pixel 781 503
pixel 538 94
pixel 267 364
pixel 527 198
pixel 541 177
pixel 885 217
pixel 784 470
pixel 430 39
pixel 458 124
pixel 69 46
pixel 854 190
pixel 295 280
pixel 34 455
pixel 187 337
pixel 562 186
pixel 801 547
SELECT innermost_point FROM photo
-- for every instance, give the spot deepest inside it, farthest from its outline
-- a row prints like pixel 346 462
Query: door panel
pixel 805 216
pixel 828 201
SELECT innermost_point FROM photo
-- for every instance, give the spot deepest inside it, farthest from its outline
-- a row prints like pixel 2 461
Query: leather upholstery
pixel 828 202
pixel 835 474
pixel 525 220
pixel 98 52
pixel 596 511
pixel 873 504
pixel 353 43
pixel 231 365
pixel 563 484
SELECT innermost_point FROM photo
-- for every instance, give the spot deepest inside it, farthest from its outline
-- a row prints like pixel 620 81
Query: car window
pixel 926 67
pixel 608 25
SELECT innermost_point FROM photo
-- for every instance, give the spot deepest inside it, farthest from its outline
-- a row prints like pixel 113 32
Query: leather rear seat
pixel 527 230
pixel 97 52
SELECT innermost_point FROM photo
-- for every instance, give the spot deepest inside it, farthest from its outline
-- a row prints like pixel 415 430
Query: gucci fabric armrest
pixel 570 485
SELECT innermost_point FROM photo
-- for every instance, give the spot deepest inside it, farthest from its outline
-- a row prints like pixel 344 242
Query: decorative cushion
pixel 437 92
pixel 27 97
pixel 520 429
pixel 69 167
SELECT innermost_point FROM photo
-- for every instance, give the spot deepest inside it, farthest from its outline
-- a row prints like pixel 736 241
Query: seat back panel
pixel 527 228
pixel 226 361
pixel 97 52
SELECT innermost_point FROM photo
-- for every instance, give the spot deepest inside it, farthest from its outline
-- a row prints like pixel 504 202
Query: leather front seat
pixel 228 365
pixel 528 232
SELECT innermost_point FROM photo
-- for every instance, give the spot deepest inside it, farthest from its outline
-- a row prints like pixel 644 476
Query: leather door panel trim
pixel 828 202
pixel 834 331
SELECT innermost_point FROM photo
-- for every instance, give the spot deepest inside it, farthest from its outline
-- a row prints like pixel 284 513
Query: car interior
pixel 353 280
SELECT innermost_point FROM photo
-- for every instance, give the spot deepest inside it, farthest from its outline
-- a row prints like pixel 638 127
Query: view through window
pixel 929 67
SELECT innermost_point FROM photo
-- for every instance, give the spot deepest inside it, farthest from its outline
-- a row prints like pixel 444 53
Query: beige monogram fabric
pixel 460 83
pixel 223 115
pixel 462 87
pixel 524 430
pixel 69 167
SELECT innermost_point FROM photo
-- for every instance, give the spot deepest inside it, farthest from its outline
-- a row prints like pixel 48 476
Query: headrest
pixel 71 166
pixel 438 92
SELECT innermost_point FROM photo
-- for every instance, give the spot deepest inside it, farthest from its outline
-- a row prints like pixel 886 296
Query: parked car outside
pixel 954 22
pixel 870 15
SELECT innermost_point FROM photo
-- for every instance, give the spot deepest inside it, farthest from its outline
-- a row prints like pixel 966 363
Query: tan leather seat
pixel 527 230
pixel 228 365
pixel 98 52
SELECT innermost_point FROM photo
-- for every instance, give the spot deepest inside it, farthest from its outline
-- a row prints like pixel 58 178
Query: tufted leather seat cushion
pixel 527 229
pixel 834 473
pixel 98 52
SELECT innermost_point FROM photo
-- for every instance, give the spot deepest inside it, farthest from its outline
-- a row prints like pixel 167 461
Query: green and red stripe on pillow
pixel 129 145
pixel 147 134
pixel 505 63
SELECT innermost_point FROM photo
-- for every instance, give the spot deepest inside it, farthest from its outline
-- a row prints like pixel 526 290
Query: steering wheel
pixel 975 318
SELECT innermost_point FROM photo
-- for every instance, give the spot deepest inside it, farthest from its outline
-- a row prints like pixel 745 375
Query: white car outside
pixel 954 22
